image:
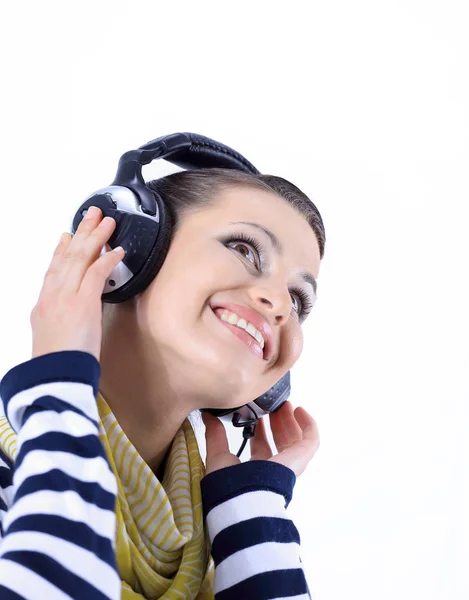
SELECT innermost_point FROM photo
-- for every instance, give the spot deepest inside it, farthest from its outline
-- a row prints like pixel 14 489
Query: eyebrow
pixel 308 277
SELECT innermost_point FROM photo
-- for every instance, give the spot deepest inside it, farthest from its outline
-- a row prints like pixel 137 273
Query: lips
pixel 257 320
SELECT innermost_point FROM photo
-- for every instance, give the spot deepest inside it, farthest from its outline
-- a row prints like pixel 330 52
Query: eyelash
pixel 306 304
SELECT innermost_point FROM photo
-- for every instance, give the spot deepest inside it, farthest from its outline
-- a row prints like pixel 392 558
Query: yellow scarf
pixel 162 549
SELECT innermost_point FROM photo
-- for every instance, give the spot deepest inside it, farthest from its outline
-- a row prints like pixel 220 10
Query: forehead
pixel 272 212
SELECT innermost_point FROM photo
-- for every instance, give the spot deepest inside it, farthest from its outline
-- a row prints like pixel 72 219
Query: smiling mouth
pixel 243 336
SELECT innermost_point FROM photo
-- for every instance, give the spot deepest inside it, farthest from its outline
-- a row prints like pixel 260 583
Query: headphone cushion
pixel 154 261
pixel 159 251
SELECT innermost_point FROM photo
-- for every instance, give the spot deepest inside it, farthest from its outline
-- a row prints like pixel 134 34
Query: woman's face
pixel 209 274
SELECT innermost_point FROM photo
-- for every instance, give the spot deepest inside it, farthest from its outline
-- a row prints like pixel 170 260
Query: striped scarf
pixel 162 550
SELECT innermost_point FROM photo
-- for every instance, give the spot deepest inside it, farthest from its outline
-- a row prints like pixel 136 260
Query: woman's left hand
pixel 295 435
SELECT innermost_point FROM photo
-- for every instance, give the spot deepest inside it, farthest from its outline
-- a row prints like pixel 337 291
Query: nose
pixel 275 300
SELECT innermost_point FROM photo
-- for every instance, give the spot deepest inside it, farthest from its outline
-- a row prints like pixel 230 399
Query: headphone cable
pixel 249 429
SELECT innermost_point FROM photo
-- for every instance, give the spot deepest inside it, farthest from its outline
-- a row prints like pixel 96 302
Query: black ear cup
pixel 278 394
pixel 142 279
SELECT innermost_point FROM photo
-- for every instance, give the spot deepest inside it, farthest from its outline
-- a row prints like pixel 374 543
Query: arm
pixel 255 545
pixel 57 501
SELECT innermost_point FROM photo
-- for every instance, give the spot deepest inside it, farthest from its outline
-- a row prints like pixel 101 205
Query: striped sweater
pixel 57 499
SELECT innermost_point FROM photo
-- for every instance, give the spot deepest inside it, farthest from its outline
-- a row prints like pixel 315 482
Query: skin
pixel 164 353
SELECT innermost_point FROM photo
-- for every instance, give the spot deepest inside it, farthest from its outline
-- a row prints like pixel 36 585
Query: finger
pixel 64 241
pixel 308 426
pixel 259 444
pixel 95 278
pixel 83 253
pixel 93 216
pixel 299 453
pixel 290 424
pixel 59 251
pixel 215 435
pixel 285 429
pixel 74 255
pixel 218 452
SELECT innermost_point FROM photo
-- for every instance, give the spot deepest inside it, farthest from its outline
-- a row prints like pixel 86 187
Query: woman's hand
pixel 68 313
pixel 295 435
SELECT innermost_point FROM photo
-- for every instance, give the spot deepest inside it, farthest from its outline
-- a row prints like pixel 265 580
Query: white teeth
pixel 233 319
pixel 242 323
pixel 251 329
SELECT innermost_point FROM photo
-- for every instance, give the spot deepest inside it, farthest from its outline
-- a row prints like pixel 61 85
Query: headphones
pixel 143 229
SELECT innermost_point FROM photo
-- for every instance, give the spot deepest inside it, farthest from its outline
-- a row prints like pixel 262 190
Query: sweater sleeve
pixel 254 544
pixel 57 500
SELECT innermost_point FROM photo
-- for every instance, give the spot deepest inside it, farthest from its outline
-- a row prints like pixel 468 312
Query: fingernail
pixel 90 212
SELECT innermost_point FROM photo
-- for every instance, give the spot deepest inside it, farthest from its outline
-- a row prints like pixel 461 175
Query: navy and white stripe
pixel 58 509
pixel 255 545
pixel 57 500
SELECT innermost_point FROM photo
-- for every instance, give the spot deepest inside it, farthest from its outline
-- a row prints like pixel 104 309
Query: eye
pixel 245 251
pixel 296 304
pixel 247 243
pixel 303 304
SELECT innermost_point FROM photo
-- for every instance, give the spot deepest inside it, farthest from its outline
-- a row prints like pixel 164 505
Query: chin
pixel 217 384
pixel 212 365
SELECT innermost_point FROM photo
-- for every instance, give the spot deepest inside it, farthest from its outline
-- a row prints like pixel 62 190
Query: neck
pixel 143 402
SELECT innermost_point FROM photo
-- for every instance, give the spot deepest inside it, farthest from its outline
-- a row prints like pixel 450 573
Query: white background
pixel 364 106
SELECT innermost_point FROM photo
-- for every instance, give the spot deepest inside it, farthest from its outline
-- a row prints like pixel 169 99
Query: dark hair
pixel 187 191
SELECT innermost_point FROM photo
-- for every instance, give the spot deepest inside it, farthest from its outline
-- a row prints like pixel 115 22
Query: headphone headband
pixel 186 150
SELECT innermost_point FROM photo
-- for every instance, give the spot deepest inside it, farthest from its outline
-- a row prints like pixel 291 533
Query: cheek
pixel 192 269
pixel 176 282
pixel 293 344
pixel 297 342
pixel 178 294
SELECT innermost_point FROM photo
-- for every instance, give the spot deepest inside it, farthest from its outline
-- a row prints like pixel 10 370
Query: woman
pixel 240 248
